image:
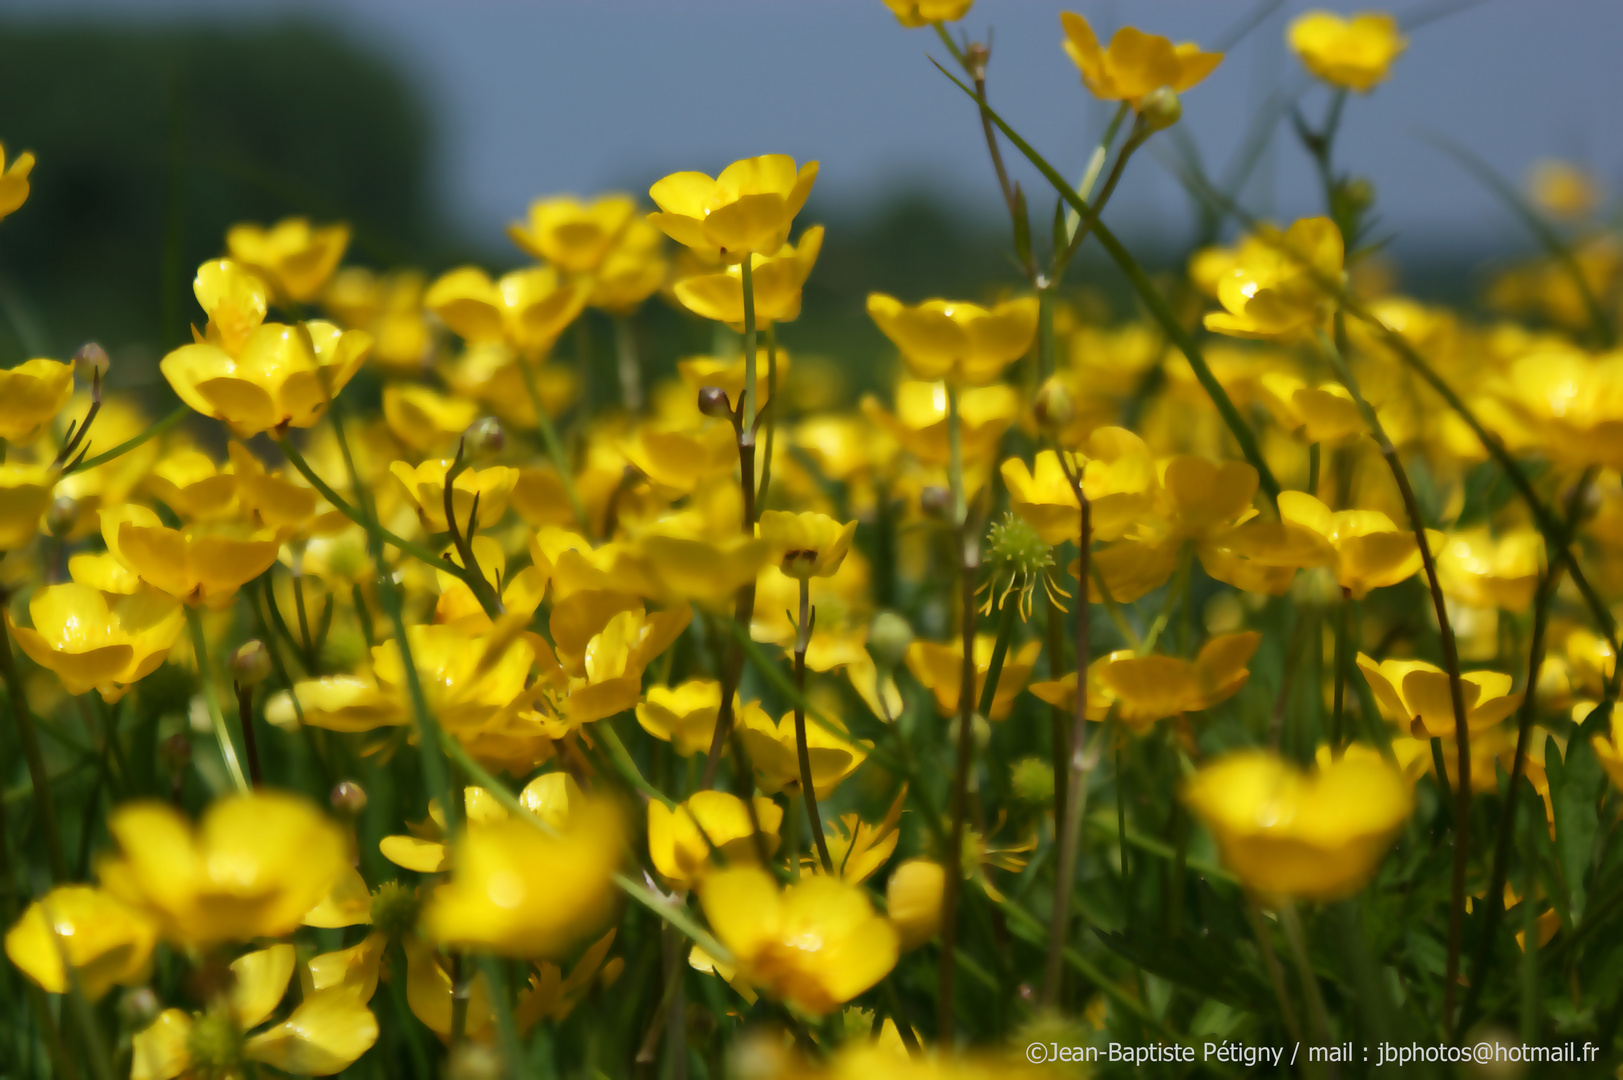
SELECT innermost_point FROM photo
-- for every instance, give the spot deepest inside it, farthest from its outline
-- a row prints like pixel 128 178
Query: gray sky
pixel 579 95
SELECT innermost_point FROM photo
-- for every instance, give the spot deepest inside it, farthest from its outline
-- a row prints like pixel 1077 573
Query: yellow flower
pixel 282 376
pixel 1353 53
pixel 253 867
pixel 1416 695
pixel 940 668
pixel 425 487
pixel 324 1034
pixel 775 754
pixel 518 891
pixel 747 208
pixel 806 545
pixel 526 309
pixel 916 13
pixel 633 270
pixel 1271 289
pixel 920 420
pixel 25 495
pixel 31 394
pixel 1145 689
pixel 815 945
pixel 857 849
pixel 604 642
pixel 1563 189
pixel 683 715
pixel 777 277
pixel 1569 402
pixel 192 485
pixel 1321 414
pixel 1118 477
pixel 98 642
pixel 552 797
pixel 1370 551
pixel 390 307
pixel 296 257
pixel 1480 570
pixel 682 460
pixel 105 941
pixel 913 900
pixel 573 235
pixel 193 565
pixel 1316 835
pixel 14 181
pixel 680 838
pixel 1136 63
pixel 960 342
pixel 425 419
pixel 275 502
pixel 684 563
pixel 1609 749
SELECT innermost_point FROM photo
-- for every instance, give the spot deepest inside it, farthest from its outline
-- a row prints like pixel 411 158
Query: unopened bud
pixel 1053 408
pixel 474 1061
pixel 1360 192
pixel 976 58
pixel 91 359
pixel 485 438
pixel 889 637
pixel 138 1008
pixel 348 798
pixel 936 501
pixel 1161 109
pixel 176 752
pixel 62 516
pixel 251 664
pixel 1032 781
pixel 713 401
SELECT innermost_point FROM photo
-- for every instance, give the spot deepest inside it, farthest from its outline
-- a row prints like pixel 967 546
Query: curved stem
pixel 769 412
pixel 156 429
pixel 963 762
pixel 205 674
pixel 803 632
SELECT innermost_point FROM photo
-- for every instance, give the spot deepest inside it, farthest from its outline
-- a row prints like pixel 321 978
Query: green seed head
pixel 394 909
pixel 1033 781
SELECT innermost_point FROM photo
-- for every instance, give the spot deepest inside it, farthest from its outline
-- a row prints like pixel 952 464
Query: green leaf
pixel 1575 791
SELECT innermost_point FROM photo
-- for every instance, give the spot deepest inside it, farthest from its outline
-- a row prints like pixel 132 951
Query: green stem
pixel 39 778
pixel 555 447
pixel 501 1003
pixel 747 279
pixel 962 764
pixel 1000 651
pixel 127 445
pixel 1336 731
pixel 211 695
pixel 1270 962
pixel 770 413
pixel 1096 164
pixel 955 456
pixel 803 632
pixel 1318 1016
pixel 1313 470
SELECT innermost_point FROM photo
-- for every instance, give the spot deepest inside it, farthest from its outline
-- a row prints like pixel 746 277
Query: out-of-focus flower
pixel 31 394
pixel 1118 477
pixel 1355 53
pixel 1569 402
pixel 518 891
pixel 1609 749
pixel 963 343
pixel 251 869
pixel 1271 289
pixel 191 484
pixel 1145 689
pixel 681 838
pixel 859 850
pixel 747 209
pixel 25 495
pixel 777 276
pixel 913 900
pixel 775 754
pixel 390 308
pixel 1316 835
pixel 1136 63
pixel 14 181
pixel 525 309
pixel 96 641
pixel 683 715
pixel 1416 695
pixel 806 545
pixel 1313 414
pixel 915 13
pixel 106 942
pixel 815 945
pixel 193 564
pixel 632 271
pixel 1563 189
pixel 295 257
pixel 425 487
pixel 1485 571
pixel 1370 551
pixel 940 667
pixel 573 235
pixel 425 419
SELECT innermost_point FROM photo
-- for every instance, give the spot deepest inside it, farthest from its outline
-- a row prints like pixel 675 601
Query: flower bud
pixel 1161 108
pixel 139 1007
pixel 394 910
pixel 91 360
pixel 936 502
pixel 251 664
pixel 62 516
pixel 1053 408
pixel 1033 781
pixel 484 438
pixel 913 899
pixel 889 637
pixel 713 402
pixel 1360 193
pixel 348 798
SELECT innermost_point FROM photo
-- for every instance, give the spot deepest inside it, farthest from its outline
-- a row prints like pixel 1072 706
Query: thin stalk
pixel 1000 652
pixel 1096 165
pixel 250 746
pixel 955 456
pixel 506 1027
pixel 963 762
pixel 462 539
pixel 1270 962
pixel 1139 136
pixel 555 447
pixel 1059 734
pixel 211 696
pixel 1317 1015
pixel 769 413
pixel 461 993
pixel 803 633
pixel 1336 730
pixel 628 363
pixel 1313 470
pixel 1082 758
pixel 38 778
pixel 156 429
pixel 1451 664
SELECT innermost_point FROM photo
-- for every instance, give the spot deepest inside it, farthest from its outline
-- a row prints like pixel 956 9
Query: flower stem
pixel 1270 962
pixel 555 447
pixel 769 412
pixel 803 632
pixel 153 431
pixel 630 367
pixel 955 456
pixel 1058 734
pixel 1337 733
pixel 747 276
pixel 205 674
pixel 954 877
pixel 250 746
pixel 1000 651
pixel 1291 923
pixel 38 778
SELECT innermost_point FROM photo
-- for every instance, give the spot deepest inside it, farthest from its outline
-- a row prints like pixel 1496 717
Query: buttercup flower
pixel 777 276
pixel 1271 289
pixel 815 945
pixel 806 545
pixel 25 494
pixel 1145 689
pixel 774 753
pixel 682 715
pixel 571 234
pixel 746 209
pixel 916 13
pixel 1492 572
pixel 1370 550
pixel 94 641
pixel 425 419
pixel 963 343
pixel 31 394
pixel 1136 63
pixel 940 668
pixel 106 942
pixel 191 563
pixel 1316 835
pixel 1355 53
pixel 526 309
pixel 425 487
pixel 681 838
pixel 913 901
pixel 1416 694
pixel 251 869
pixel 296 257
pixel 14 181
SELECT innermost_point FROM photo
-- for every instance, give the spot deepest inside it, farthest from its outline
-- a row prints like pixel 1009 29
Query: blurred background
pixel 430 124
